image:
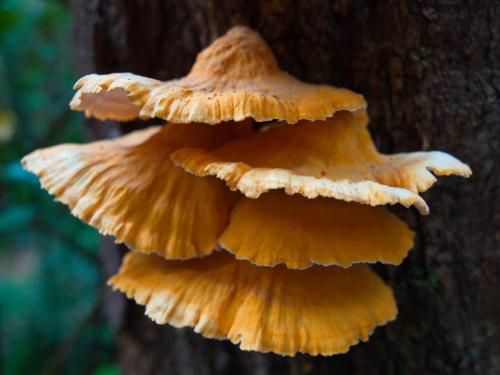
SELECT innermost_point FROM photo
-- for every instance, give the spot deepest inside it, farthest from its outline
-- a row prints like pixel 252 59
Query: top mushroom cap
pixel 236 77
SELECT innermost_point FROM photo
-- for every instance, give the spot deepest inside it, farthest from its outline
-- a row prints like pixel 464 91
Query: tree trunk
pixel 429 71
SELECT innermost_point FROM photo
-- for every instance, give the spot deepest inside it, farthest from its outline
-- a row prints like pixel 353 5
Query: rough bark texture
pixel 429 70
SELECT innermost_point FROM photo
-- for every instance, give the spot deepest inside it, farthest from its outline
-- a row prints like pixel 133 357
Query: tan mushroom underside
pixel 299 232
pixel 317 311
pixel 128 187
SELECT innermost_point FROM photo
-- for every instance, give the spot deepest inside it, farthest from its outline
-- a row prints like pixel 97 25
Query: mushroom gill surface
pixel 300 232
pixel 316 311
pixel 128 187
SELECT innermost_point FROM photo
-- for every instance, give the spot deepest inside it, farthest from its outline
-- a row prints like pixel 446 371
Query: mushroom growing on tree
pixel 302 213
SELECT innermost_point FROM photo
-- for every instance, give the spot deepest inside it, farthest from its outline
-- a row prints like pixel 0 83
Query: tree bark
pixel 429 71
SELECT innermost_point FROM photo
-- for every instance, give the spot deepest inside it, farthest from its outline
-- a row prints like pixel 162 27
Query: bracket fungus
pixel 334 158
pixel 235 78
pixel 276 251
pixel 322 310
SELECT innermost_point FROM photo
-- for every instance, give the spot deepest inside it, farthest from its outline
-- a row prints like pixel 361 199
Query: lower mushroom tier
pixel 321 310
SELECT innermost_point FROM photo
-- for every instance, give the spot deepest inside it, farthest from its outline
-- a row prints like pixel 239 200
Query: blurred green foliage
pixel 50 281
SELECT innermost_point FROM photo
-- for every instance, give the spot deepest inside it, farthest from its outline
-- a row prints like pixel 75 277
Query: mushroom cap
pixel 128 187
pixel 334 158
pixel 236 77
pixel 316 311
pixel 300 232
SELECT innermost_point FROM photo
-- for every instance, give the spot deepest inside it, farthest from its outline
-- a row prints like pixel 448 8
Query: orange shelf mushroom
pixel 322 310
pixel 129 188
pixel 236 77
pixel 300 232
pixel 334 158
pixel 298 215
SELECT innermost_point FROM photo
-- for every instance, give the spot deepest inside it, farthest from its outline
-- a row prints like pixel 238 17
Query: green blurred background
pixel 51 283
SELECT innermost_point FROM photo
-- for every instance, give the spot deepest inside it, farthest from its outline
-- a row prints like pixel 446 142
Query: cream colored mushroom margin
pixel 129 188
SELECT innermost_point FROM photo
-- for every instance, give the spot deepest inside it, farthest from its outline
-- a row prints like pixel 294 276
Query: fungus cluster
pixel 256 234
